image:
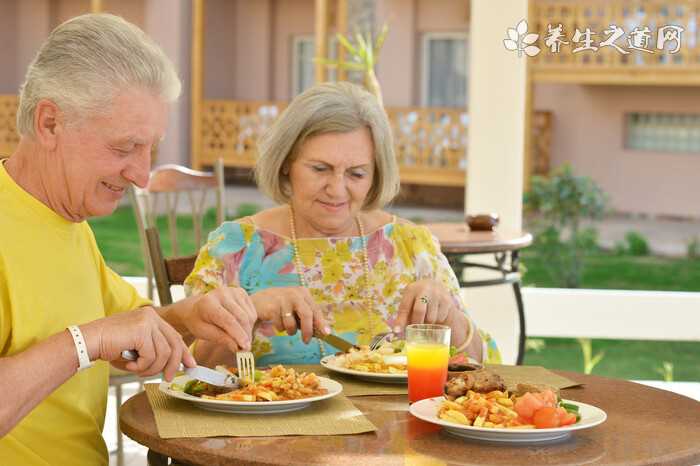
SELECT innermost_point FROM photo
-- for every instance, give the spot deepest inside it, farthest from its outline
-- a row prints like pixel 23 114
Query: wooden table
pixel 645 426
pixel 457 241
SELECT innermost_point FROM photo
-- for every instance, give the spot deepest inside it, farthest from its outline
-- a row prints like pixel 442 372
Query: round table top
pixel 457 238
pixel 644 426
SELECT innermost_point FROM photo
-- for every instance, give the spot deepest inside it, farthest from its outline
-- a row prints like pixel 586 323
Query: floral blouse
pixel 241 254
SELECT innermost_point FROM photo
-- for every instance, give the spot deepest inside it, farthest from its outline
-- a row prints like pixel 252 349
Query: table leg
pixel 156 459
pixel 521 318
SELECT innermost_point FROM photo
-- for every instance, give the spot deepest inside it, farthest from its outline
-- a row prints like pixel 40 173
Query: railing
pixel 8 124
pixel 633 58
pixel 431 143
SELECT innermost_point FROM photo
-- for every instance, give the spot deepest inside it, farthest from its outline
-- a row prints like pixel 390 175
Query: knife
pixel 337 342
pixel 333 340
pixel 202 373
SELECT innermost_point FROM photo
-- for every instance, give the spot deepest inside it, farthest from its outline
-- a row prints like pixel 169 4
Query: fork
pixel 246 365
pixel 380 338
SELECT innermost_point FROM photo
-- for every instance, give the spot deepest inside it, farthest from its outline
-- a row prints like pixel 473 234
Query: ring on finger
pixel 424 300
pixel 287 314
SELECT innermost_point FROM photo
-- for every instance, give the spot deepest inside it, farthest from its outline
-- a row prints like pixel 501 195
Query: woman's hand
pixel 426 302
pixel 291 309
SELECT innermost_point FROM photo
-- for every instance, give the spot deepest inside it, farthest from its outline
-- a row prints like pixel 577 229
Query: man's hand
pixel 225 316
pixel 159 346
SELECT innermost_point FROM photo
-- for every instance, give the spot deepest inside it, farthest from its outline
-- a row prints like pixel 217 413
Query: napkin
pixel 513 375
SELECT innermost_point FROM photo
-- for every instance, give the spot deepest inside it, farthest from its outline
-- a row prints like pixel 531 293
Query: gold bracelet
pixel 470 336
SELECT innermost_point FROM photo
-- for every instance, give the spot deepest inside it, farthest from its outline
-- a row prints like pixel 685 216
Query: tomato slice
pixel 527 405
pixel 546 418
pixel 566 419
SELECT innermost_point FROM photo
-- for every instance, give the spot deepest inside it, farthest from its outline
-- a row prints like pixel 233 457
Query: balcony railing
pixel 8 124
pixel 633 58
pixel 431 143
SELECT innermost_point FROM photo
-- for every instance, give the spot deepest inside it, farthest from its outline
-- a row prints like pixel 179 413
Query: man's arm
pixel 28 377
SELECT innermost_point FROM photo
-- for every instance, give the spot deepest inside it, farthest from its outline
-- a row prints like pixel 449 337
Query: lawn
pixel 606 270
pixel 118 240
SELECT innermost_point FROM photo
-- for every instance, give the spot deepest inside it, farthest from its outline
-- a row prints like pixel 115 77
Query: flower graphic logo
pixel 522 41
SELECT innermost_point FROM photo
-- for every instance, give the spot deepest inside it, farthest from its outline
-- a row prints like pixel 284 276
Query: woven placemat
pixel 179 418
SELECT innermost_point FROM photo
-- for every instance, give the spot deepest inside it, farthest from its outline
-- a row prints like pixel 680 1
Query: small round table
pixel 457 241
pixel 645 426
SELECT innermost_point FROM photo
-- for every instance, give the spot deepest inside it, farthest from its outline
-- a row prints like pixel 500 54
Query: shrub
pixel 636 243
pixel 560 203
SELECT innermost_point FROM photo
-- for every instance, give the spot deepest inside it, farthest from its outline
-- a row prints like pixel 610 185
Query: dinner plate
pixel 427 410
pixel 328 363
pixel 250 407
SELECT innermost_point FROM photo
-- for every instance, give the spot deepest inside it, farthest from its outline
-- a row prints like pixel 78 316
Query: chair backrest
pixel 167 272
pixel 169 182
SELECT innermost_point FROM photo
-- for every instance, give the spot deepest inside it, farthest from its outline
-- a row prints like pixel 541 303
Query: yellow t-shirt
pixel 52 275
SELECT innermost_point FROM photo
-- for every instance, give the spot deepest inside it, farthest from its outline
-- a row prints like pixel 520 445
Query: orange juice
pixel 427 370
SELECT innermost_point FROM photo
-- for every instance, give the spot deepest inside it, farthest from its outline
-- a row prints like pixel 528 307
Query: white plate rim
pixel 326 362
pixel 597 417
pixel 334 388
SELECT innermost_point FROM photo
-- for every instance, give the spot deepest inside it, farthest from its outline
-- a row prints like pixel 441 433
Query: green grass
pixel 118 240
pixel 628 359
pixel 605 270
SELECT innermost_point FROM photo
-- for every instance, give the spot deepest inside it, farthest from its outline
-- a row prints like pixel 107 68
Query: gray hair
pixel 328 108
pixel 87 61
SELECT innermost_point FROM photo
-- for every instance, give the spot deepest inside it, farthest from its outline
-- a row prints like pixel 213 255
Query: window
pixel 444 70
pixel 303 52
pixel 302 64
pixel 663 132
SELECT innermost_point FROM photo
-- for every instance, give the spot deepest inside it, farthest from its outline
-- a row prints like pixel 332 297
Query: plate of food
pixel 276 390
pixel 477 406
pixel 386 364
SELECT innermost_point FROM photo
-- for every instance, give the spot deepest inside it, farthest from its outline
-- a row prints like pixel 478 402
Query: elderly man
pixel 93 106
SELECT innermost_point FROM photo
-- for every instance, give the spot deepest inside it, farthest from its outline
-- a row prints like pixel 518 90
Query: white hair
pixel 328 108
pixel 87 61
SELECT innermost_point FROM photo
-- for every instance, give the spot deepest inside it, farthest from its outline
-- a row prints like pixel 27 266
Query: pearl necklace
pixel 365 264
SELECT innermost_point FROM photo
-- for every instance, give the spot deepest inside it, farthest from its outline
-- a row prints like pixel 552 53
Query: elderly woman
pixel 328 258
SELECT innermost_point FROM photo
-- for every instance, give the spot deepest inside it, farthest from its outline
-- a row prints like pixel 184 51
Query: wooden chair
pixel 169 182
pixel 167 272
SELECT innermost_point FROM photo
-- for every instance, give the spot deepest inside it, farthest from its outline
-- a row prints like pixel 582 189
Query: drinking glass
pixel 428 352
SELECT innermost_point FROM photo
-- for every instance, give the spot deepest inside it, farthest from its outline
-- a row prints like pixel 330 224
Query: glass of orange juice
pixel 428 352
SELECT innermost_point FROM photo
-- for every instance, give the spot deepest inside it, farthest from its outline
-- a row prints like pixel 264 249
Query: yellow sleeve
pixel 5 317
pixel 118 295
